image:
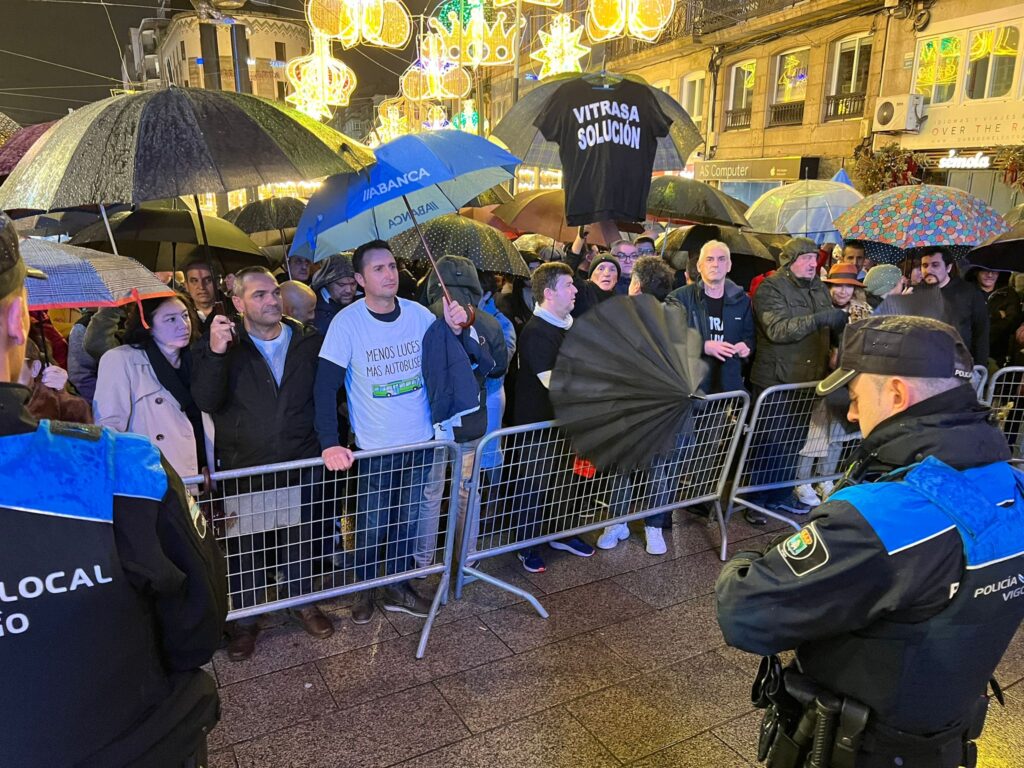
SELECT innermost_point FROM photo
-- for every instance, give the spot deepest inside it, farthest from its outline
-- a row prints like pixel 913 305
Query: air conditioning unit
pixel 899 114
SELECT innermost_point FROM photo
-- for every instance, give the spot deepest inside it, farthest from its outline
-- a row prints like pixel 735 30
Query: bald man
pixel 299 301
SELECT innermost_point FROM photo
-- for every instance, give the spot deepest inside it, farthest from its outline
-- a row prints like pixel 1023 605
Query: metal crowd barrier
pixel 1005 396
pixel 295 533
pixel 529 487
pixel 794 438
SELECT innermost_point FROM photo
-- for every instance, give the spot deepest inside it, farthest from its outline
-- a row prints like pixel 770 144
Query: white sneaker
pixel 612 535
pixel 825 489
pixel 655 540
pixel 806 495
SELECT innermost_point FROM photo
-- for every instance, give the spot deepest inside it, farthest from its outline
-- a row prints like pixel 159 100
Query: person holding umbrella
pixel 966 303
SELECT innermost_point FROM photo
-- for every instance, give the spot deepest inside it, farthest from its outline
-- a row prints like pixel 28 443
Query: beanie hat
pixel 601 259
pixel 796 246
pixel 881 279
pixel 338 267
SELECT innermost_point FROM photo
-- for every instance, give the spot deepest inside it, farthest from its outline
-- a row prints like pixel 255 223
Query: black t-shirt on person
pixel 716 332
pixel 607 140
pixel 538 349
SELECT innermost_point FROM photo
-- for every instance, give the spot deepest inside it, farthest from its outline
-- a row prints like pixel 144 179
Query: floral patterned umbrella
pixel 921 216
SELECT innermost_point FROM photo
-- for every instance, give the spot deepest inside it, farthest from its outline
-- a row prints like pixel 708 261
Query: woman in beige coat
pixel 144 385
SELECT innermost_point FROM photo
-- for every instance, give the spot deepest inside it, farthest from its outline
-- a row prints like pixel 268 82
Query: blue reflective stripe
pixel 73 477
pixel 900 516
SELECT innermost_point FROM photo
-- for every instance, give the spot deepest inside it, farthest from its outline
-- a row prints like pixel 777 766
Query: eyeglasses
pixel 626 256
pixel 645 251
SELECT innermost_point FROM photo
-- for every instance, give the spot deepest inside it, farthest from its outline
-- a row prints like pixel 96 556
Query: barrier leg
pixel 720 518
pixel 435 606
pixel 495 582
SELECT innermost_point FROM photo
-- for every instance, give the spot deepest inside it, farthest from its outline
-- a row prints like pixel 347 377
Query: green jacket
pixel 793 339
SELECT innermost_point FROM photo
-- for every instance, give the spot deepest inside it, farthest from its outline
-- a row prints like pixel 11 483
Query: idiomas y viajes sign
pixel 970 125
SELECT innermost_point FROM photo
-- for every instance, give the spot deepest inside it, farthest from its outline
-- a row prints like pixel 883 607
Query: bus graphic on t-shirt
pixel 396 388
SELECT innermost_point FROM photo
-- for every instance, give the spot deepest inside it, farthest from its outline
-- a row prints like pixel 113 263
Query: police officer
pixel 902 592
pixel 112 589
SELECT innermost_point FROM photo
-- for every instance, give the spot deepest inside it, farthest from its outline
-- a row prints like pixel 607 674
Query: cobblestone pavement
pixel 630 669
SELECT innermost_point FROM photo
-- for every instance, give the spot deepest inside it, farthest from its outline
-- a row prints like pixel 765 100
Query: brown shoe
pixel 314 621
pixel 242 640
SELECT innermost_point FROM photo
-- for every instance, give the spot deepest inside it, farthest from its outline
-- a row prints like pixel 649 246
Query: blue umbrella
pixel 843 177
pixel 416 178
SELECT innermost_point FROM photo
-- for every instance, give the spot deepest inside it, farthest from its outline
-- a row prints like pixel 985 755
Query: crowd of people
pixel 363 352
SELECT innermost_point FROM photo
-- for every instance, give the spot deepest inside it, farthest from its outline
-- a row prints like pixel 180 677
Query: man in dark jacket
pixel 259 390
pixel 964 302
pixel 795 325
pixel 902 592
pixel 1004 312
pixel 111 582
pixel 721 311
pixel 335 288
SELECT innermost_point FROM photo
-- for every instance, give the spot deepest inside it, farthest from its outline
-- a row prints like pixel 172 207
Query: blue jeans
pixel 387 511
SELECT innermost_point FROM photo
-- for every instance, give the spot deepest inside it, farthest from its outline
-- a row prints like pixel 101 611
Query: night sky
pixel 76 33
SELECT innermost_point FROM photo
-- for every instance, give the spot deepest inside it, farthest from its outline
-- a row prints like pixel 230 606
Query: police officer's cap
pixel 900 345
pixel 12 268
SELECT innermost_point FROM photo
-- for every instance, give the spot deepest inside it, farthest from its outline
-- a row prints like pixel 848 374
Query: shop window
pixel 692 96
pixel 741 94
pixel 279 52
pixel 850 63
pixel 991 62
pixel 790 89
pixel 938 68
pixel 181 50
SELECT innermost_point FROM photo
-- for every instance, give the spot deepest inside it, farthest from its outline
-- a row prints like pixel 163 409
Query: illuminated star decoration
pixel 561 50
pixel 642 19
pixel 476 42
pixel 432 76
pixel 319 80
pixel 383 23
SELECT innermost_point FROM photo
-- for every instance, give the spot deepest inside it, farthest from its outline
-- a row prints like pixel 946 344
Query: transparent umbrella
pixel 804 208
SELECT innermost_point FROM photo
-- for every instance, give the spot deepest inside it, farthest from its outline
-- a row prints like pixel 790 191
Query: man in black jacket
pixel 259 391
pixel 965 303
pixel 111 582
pixel 903 591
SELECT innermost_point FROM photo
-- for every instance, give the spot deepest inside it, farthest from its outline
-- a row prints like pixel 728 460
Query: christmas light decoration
pixel 432 76
pixel 319 80
pixel 561 49
pixel 399 116
pixel 437 118
pixel 642 19
pixel 468 119
pixel 384 23
pixel 476 42
pixel 542 3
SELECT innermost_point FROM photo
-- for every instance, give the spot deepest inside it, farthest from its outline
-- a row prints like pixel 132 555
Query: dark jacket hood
pixel 460 276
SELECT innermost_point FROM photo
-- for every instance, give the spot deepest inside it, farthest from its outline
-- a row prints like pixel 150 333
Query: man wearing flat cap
pixel 903 591
pixel 112 588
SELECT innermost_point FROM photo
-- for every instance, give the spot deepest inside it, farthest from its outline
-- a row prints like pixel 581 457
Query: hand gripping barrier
pixel 295 533
pixel 794 438
pixel 529 487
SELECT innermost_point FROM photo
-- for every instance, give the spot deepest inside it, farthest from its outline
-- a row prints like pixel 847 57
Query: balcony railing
pixel 713 15
pixel 681 25
pixel 786 113
pixel 843 107
pixel 737 118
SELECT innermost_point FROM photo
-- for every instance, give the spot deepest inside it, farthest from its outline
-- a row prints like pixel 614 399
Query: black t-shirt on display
pixel 607 139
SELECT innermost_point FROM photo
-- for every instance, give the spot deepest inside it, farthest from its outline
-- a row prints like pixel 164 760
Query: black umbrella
pixel 164 240
pixel 750 256
pixel 1003 252
pixel 455 235
pixel 268 218
pixel 680 199
pixel 626 377
pixel 493 196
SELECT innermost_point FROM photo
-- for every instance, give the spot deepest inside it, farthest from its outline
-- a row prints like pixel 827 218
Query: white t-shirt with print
pixel 387 401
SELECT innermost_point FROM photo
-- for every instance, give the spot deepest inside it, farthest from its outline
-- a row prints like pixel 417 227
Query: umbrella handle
pixel 470 314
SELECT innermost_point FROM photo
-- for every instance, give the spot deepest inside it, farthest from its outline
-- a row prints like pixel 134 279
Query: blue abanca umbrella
pixel 416 178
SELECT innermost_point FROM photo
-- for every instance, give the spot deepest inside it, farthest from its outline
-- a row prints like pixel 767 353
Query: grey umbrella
pixel 455 235
pixel 681 199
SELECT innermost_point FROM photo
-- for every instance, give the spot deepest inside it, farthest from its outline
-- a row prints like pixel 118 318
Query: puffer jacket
pixel 793 334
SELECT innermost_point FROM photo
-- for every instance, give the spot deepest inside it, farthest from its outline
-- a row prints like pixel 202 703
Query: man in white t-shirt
pixel 374 349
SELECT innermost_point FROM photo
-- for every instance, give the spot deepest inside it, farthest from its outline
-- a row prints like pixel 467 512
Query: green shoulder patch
pixel 804 551
pixel 73 429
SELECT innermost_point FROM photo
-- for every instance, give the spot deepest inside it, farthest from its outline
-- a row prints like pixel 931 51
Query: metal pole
pixel 110 233
pixel 518 50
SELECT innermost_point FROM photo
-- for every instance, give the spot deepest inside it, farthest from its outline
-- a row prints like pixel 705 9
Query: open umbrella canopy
pixel 455 235
pixel 804 208
pixel 165 239
pixel 416 178
pixel 677 198
pixel 16 147
pixel 274 214
pixel 750 256
pixel 1002 252
pixel 496 195
pixel 79 277
pixel 518 132
pixel 921 216
pixel 485 215
pixel 1014 216
pixel 66 223
pixel 172 142
pixel 625 380
pixel 542 212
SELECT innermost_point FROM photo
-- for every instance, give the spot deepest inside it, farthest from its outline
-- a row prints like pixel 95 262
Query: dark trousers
pixel 387 511
pixel 537 467
pixel 775 450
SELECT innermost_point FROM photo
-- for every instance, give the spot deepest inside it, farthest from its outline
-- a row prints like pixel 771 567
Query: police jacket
pixel 257 421
pixel 901 593
pixel 112 595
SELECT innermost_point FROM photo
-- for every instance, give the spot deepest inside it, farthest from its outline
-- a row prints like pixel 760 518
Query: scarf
pixel 177 381
pixel 550 317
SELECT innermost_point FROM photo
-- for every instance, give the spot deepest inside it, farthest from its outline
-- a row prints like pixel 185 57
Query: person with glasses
pixel 645 246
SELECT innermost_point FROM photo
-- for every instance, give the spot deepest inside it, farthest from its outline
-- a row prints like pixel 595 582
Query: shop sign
pixel 977 161
pixel 973 124
pixel 757 169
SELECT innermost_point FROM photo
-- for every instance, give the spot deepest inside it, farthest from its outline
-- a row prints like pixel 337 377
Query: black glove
pixel 835 319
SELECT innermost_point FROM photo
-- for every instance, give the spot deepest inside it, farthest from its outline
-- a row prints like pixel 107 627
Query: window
pixel 282 90
pixel 692 93
pixel 741 95
pixel 850 63
pixel 664 86
pixel 938 67
pixel 279 52
pixel 991 61
pixel 181 44
pixel 791 76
